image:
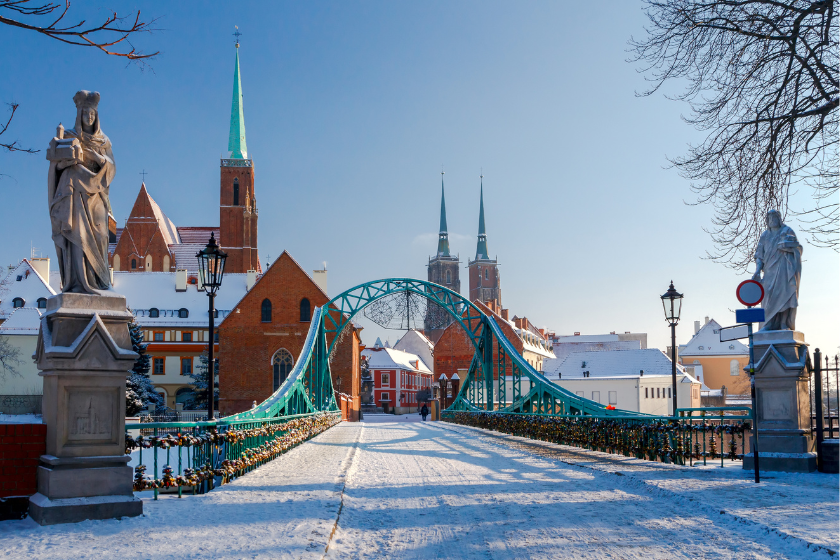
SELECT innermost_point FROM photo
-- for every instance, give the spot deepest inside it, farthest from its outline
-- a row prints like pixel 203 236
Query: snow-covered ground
pixel 21 419
pixel 397 488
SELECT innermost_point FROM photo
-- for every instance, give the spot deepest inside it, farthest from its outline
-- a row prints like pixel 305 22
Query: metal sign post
pixel 750 293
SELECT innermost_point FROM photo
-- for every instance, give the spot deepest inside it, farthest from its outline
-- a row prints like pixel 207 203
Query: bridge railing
pixel 692 436
pixel 199 456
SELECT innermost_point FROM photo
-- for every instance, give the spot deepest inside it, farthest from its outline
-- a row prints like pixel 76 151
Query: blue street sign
pixel 751 315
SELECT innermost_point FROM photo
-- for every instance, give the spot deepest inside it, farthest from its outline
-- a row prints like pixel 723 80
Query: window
pixel 386 397
pixel 448 276
pixel 133 264
pixel 215 336
pixel 657 392
pixel 386 380
pixel 19 278
pixel 42 303
pixel 18 302
pixel 485 274
pixel 734 367
pixel 281 363
pixel 596 396
pixel 236 192
pixel 154 313
pixel 265 311
pixel 669 392
pixel 305 313
pixel 186 366
pixel 613 397
pixel 646 393
pixel 158 365
pixel 579 393
pixel 183 395
pixel 186 336
pixel 158 336
pixel 183 313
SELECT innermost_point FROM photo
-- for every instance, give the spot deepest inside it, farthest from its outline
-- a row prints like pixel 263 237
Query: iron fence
pixel 20 404
pixel 824 389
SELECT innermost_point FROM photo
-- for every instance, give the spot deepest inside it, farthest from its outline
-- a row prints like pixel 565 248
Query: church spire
pixel 481 248
pixel 236 140
pixel 443 236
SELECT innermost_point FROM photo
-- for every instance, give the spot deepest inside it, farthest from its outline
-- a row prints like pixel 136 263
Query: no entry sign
pixel 750 293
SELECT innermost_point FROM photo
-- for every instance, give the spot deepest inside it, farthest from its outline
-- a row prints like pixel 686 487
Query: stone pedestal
pixel 783 404
pixel 84 354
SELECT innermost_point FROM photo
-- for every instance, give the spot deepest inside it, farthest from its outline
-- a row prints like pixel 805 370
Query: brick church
pixel 261 317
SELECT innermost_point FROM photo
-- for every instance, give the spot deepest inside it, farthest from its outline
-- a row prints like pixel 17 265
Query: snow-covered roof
pixel 587 338
pixel 390 358
pixel 24 320
pixel 167 228
pixel 618 363
pixel 707 343
pixel 415 342
pixel 533 342
pixel 146 290
pixel 23 282
pixel 563 349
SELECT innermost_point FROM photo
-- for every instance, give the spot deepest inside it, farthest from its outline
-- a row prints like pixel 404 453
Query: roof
pixel 30 288
pixel 443 236
pixel 24 320
pixel 707 343
pixel 167 228
pixel 390 358
pixel 563 349
pixel 415 342
pixel 146 290
pixel 481 247
pixel 236 140
pixel 618 363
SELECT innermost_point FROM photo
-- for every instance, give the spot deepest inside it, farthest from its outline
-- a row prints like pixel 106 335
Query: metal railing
pixel 208 454
pixel 696 434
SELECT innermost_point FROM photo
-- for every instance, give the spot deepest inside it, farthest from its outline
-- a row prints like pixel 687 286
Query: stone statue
pixel 779 255
pixel 81 170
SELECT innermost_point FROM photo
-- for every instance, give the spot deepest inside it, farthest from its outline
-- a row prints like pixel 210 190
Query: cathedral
pixel 443 269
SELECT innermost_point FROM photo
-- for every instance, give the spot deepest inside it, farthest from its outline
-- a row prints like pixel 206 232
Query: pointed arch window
pixel 448 276
pixel 282 363
pixel 236 192
pixel 133 264
pixel 305 310
pixel 265 311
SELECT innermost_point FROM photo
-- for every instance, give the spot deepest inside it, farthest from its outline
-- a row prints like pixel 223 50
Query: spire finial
pixel 237 34
pixel 481 246
pixel 443 235
pixel 143 173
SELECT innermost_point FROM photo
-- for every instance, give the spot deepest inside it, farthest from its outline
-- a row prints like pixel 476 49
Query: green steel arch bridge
pixel 308 388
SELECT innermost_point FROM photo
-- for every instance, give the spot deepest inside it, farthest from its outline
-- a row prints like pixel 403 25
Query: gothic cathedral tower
pixel 485 283
pixel 237 203
pixel 443 270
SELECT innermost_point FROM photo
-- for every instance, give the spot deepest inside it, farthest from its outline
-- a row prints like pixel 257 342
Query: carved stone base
pixel 72 510
pixel 783 403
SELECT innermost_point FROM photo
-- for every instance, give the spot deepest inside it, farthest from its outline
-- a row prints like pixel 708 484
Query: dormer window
pixel 183 313
pixel 154 313
pixel 18 302
pixel 42 303
pixel 19 277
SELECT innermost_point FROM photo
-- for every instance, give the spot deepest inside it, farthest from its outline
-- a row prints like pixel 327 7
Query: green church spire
pixel 236 141
pixel 481 248
pixel 443 236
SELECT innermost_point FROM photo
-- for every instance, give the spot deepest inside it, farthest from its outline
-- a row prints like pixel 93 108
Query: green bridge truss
pixel 522 389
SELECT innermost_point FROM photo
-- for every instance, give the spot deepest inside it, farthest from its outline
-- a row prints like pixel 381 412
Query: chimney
pixel 181 280
pixel 320 278
pixel 696 327
pixel 506 314
pixel 42 267
pixel 707 321
pixel 250 279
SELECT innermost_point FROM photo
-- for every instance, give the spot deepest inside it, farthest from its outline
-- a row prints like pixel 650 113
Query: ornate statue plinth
pixel 84 354
pixel 784 406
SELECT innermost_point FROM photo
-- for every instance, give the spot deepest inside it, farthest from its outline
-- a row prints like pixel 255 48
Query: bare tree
pixel 9 358
pixel 762 80
pixel 112 36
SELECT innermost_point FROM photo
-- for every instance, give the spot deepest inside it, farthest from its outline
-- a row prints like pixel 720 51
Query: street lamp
pixel 211 268
pixel 672 304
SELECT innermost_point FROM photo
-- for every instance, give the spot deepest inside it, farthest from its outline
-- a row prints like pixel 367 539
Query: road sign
pixel 734 333
pixel 752 315
pixel 750 293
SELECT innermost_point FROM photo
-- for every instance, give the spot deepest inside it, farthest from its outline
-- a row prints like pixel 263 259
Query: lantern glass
pixel 672 304
pixel 211 265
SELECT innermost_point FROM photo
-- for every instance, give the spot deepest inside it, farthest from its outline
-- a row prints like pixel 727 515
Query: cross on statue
pixel 143 173
pixel 237 34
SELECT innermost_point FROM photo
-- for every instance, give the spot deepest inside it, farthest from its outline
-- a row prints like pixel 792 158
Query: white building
pixel 415 342
pixel 634 380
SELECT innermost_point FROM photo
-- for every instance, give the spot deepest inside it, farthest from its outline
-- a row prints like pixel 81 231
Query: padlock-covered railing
pixel 198 456
pixel 695 434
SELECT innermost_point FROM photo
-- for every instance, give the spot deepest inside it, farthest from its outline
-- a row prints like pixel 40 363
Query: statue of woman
pixel 81 170
pixel 779 255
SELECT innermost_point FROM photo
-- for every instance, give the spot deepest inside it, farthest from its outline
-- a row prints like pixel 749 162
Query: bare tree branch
pixel 13 146
pixel 762 80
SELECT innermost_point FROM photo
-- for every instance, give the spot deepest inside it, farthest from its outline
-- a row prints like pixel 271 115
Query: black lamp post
pixel 672 303
pixel 211 268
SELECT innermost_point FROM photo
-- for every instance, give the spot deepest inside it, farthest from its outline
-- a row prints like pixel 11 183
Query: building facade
pixel 397 378
pixel 718 365
pixel 485 281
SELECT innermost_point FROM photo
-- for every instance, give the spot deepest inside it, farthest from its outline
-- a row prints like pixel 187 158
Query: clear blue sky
pixel 352 108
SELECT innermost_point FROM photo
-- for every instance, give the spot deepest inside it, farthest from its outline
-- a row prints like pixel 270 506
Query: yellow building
pixel 714 363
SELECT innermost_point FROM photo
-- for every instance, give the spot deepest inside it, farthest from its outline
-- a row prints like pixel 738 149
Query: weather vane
pixel 237 34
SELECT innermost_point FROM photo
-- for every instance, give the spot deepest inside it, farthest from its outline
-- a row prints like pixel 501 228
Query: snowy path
pixel 403 489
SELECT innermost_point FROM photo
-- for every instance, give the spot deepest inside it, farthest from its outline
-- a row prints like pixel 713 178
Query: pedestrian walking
pixel 424 411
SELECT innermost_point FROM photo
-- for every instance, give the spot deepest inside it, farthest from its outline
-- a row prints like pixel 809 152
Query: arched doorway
pixel 281 364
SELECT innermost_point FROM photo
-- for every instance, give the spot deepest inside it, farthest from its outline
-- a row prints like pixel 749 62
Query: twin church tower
pixel 485 283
